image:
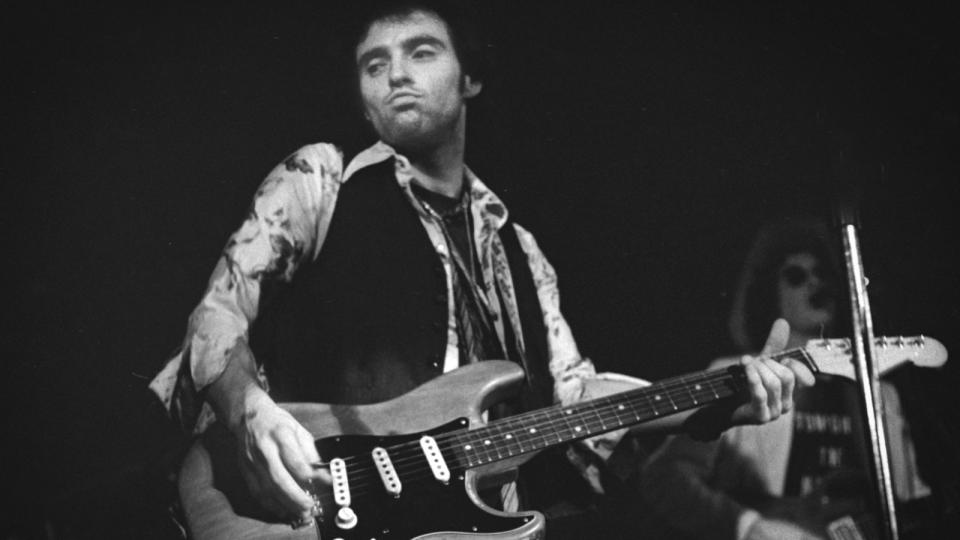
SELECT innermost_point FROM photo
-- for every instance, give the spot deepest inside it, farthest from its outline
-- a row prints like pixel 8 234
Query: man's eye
pixel 375 68
pixel 424 53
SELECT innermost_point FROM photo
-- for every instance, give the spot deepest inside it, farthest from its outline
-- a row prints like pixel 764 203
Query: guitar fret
pixel 714 391
pixel 652 405
pixel 518 437
pixel 690 389
pixel 492 441
pixel 547 422
pixel 463 448
pixel 473 450
pixel 567 426
pixel 580 425
pixel 480 450
pixel 511 439
pixel 504 439
pixel 657 398
pixel 520 434
pixel 538 431
pixel 672 403
pixel 603 425
pixel 617 413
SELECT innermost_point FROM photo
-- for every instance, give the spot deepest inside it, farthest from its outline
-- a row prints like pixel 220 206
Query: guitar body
pixel 217 505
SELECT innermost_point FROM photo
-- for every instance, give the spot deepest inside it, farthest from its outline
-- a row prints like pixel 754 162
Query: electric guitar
pixel 413 466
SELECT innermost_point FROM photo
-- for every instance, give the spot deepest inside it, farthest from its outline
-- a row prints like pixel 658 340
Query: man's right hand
pixel 276 453
pixel 276 456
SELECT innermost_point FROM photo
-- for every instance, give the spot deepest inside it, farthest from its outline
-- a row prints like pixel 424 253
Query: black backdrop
pixel 643 145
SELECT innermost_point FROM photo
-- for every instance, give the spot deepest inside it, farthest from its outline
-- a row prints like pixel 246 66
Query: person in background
pixel 759 482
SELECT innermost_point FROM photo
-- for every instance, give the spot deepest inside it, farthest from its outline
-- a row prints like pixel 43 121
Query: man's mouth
pixel 401 97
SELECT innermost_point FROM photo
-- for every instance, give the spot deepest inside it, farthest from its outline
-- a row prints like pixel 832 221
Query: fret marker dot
pixel 467 447
pixel 578 429
pixel 533 430
pixel 487 442
pixel 508 436
pixel 621 407
pixel 697 387
pixel 657 397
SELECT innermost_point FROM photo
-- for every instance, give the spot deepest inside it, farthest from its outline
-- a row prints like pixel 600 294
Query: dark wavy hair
pixel 462 17
pixel 756 304
pixel 464 20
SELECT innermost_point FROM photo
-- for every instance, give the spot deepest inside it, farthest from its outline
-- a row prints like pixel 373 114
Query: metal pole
pixel 868 378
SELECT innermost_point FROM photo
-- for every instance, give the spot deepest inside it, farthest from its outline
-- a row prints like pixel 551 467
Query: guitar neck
pixel 544 428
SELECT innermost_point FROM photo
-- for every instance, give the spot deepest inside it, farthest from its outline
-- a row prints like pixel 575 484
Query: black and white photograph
pixel 388 269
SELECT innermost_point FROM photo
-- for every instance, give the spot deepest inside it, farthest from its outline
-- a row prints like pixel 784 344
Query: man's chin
pixel 408 137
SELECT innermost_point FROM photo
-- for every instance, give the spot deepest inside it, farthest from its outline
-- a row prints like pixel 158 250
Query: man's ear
pixel 470 87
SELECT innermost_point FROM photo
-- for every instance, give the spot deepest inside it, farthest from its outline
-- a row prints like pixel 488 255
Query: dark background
pixel 642 145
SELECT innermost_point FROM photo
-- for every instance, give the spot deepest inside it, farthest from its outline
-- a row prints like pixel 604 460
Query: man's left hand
pixel 770 382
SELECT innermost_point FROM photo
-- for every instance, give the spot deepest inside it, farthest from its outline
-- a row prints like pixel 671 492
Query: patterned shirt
pixel 287 225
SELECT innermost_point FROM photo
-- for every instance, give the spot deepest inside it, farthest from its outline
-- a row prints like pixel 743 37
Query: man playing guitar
pixel 379 273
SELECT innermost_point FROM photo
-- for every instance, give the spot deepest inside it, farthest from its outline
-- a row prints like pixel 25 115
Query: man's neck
pixel 441 169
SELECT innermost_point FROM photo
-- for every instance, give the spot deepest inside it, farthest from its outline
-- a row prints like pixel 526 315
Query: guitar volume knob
pixel 346 518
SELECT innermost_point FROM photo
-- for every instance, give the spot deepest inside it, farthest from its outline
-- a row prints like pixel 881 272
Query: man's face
pixel 411 82
pixel 806 294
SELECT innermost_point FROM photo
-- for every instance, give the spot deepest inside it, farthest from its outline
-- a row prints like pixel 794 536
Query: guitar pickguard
pixel 424 505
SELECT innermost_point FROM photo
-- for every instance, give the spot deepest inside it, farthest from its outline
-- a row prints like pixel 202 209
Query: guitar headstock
pixel 835 356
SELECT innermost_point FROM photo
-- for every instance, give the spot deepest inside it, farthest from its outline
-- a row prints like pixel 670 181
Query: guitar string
pixel 591 408
pixel 459 436
pixel 579 410
pixel 588 417
pixel 593 416
pixel 360 482
pixel 667 389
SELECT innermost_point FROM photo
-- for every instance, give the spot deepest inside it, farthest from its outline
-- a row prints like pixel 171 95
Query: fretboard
pixel 552 426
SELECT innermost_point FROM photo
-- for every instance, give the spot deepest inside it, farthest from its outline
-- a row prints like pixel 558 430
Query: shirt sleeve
pixel 568 368
pixel 571 372
pixel 286 225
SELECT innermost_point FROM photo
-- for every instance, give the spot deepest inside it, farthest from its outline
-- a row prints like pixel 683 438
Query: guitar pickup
pixel 388 474
pixel 432 452
pixel 341 486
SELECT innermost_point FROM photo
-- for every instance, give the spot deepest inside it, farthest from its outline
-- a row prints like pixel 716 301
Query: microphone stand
pixel 867 371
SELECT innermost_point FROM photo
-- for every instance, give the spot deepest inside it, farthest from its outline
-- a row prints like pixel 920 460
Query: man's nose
pixel 399 75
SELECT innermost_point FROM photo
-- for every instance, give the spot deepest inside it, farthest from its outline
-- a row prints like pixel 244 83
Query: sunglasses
pixel 796 275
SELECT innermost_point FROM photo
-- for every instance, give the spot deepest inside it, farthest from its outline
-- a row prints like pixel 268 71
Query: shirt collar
pixel 484 202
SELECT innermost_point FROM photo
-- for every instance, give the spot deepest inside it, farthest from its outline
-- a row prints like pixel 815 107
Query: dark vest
pixel 367 321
